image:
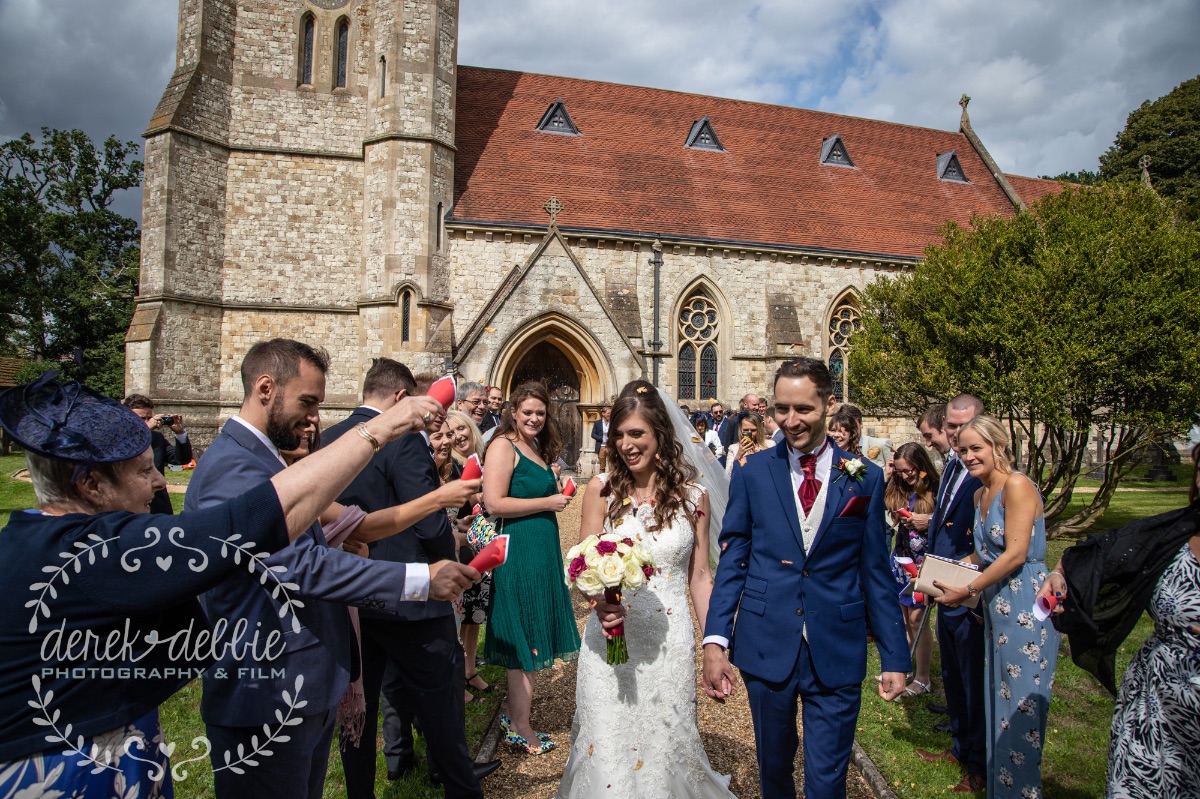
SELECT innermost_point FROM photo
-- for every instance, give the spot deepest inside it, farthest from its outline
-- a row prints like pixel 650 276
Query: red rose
pixel 606 547
pixel 576 568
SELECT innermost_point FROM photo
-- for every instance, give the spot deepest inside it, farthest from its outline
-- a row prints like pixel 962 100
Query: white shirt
pixel 808 524
pixel 416 575
pixel 948 497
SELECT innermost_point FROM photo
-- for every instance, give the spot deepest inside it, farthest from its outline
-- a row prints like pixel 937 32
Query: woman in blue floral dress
pixel 1010 543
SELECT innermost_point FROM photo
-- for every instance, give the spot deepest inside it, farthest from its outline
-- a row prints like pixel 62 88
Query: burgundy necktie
pixel 811 485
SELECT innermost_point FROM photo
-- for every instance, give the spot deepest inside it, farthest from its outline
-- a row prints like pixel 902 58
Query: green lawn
pixel 1080 713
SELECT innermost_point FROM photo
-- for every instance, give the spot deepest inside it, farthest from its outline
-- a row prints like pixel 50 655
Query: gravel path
pixel 725 729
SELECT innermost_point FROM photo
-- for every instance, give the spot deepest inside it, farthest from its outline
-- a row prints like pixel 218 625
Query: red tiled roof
pixel 1031 190
pixel 630 170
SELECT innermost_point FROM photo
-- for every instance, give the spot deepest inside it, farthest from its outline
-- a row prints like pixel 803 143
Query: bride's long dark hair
pixel 672 472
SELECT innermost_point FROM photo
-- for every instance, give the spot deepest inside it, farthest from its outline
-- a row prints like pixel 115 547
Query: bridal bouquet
pixel 609 563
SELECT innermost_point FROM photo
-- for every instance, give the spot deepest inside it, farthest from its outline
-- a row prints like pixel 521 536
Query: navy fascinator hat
pixel 70 422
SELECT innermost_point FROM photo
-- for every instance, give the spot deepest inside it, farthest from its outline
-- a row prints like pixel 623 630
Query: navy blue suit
pixel 960 631
pixel 319 646
pixel 774 589
pixel 414 657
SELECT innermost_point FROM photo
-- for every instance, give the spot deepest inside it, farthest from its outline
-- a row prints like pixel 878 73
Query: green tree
pixel 1077 321
pixel 1167 130
pixel 70 263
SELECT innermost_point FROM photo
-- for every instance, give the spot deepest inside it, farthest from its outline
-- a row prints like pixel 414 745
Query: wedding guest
pixel 877 450
pixel 1103 584
pixel 708 437
pixel 930 424
pixel 746 405
pixel 472 400
pixel 1022 652
pixel 531 619
pixel 774 434
pixel 647 705
pixel 913 488
pixel 284 384
pixel 844 429
pixel 411 654
pixel 718 423
pixel 600 436
pixel 495 407
pixel 92 470
pixel 466 442
pixel 959 631
pixel 751 439
pixel 165 453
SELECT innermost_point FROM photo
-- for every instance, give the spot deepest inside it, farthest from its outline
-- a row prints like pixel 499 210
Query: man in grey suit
pixel 306 654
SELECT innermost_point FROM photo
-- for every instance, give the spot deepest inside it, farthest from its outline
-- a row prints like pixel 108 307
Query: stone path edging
pixel 871 773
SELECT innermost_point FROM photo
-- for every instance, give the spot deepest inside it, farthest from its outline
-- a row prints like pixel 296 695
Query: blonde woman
pixel 1021 652
pixel 465 441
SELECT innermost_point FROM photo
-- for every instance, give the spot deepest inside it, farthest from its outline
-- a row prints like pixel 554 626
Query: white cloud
pixel 1051 83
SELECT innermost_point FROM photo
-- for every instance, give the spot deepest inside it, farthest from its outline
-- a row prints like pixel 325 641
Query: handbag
pixel 483 530
pixel 946 572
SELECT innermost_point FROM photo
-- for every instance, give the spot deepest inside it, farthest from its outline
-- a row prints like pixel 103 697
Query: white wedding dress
pixel 635 734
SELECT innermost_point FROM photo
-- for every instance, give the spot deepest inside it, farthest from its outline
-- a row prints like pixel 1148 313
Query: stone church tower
pixel 297 169
pixel 325 170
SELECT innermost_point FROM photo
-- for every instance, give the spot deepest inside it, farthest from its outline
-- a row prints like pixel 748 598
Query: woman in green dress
pixel 530 622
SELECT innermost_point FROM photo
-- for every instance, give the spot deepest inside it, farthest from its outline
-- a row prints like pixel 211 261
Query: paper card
pixel 569 487
pixel 493 555
pixel 478 509
pixel 471 469
pixel 444 390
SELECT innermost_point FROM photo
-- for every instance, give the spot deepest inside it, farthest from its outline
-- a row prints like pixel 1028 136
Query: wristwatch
pixel 974 592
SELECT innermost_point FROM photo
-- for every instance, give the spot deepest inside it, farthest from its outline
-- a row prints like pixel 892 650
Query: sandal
pixel 486 689
pixel 506 728
pixel 541 748
pixel 909 691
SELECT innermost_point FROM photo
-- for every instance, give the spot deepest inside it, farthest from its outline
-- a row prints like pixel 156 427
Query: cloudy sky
pixel 1051 81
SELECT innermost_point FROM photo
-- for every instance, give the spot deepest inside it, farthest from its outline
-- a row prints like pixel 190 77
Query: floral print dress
pixel 1022 654
pixel 1155 746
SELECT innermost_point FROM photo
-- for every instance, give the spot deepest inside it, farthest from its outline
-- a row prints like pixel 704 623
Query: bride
pixel 635 732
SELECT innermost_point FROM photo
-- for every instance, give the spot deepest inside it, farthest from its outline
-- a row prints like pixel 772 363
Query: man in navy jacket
pixel 301 606
pixel 960 630
pixel 803 564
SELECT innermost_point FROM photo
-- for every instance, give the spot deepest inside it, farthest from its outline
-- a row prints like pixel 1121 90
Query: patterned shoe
pixel 506 727
pixel 541 748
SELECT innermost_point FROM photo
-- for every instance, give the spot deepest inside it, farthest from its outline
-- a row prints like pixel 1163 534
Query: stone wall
pixel 293 230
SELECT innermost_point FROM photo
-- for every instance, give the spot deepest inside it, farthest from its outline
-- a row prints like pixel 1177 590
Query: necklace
pixel 644 496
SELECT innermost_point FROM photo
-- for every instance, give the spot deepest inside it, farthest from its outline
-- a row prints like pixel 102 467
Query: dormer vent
pixel 948 168
pixel 557 120
pixel 834 152
pixel 703 137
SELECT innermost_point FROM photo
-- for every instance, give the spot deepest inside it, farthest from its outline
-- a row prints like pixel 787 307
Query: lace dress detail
pixel 635 732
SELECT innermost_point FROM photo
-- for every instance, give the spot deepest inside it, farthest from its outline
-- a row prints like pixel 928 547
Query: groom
pixel 804 562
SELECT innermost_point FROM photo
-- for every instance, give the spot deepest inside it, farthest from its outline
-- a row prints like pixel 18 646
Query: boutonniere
pixel 854 468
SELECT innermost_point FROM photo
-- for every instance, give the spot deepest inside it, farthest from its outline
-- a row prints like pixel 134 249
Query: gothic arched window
pixel 343 54
pixel 308 36
pixel 843 321
pixel 406 315
pixel 698 332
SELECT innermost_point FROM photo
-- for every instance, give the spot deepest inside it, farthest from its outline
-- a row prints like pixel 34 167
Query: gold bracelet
pixel 361 427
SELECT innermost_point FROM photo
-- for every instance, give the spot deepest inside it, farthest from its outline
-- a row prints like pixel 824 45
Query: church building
pixel 326 170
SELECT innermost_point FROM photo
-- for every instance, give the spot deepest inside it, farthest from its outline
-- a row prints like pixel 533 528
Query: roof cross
pixel 553 207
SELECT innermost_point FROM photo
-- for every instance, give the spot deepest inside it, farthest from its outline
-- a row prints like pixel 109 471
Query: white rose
pixel 588 582
pixel 623 549
pixel 574 552
pixel 641 554
pixel 633 574
pixel 611 570
pixel 590 556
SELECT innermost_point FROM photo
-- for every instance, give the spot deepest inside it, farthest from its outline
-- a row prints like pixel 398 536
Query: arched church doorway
pixel 546 362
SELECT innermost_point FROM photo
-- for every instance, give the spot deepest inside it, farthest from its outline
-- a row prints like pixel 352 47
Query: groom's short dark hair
pixel 811 368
